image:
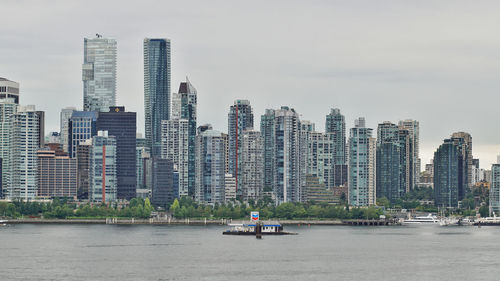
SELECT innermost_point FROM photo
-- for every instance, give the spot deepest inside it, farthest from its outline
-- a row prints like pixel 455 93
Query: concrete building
pixel 8 108
pixel 103 183
pixel 251 165
pixel 57 175
pixel 82 126
pixel 99 73
pixel 175 147
pixel 240 119
pixel 317 191
pixel 320 158
pixel 210 167
pixel 362 165
pixel 27 139
pixel 141 156
pixel 9 90
pixel 157 85
pixel 123 126
pixel 65 115
pixel 283 172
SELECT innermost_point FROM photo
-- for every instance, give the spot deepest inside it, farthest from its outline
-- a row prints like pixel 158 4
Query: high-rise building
pixel 175 147
pixel 320 158
pixel 361 165
pixel 448 174
pixel 240 119
pixel 156 89
pixel 283 172
pixel 142 155
pixel 390 167
pixel 466 141
pixel 495 190
pixel 83 167
pixel 8 108
pixel 335 124
pixel 184 107
pixel 210 174
pixel 123 126
pixel 9 89
pixel 57 175
pixel 82 126
pixel 27 138
pixel 163 193
pixel 103 180
pixel 66 114
pixel 251 165
pixel 99 73
pixel 413 128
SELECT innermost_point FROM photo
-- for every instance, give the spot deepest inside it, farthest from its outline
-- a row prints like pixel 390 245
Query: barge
pixel 256 229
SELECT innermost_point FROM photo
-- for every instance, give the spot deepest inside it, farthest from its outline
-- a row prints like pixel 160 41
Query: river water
pixel 145 252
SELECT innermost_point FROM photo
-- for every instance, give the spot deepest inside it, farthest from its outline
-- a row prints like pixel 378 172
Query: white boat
pixel 429 219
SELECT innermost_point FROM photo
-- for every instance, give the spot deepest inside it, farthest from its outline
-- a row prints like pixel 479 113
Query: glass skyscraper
pixel 99 73
pixel 448 174
pixel 102 174
pixel 156 89
pixel 388 162
pixel 335 125
pixel 82 126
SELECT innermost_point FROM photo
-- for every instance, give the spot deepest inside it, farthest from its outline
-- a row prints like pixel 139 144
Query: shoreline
pixel 196 222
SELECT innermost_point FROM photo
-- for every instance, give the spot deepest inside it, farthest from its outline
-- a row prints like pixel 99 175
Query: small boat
pixel 250 229
pixel 456 221
pixel 429 219
pixel 3 222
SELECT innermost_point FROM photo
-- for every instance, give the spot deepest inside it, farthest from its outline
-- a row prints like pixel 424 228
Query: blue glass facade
pixel 81 127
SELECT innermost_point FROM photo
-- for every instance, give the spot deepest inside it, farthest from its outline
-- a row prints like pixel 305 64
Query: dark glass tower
pixel 448 174
pixel 156 89
pixel 388 161
pixel 122 125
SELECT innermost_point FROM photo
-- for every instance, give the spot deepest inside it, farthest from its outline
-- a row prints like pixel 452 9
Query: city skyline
pixel 435 67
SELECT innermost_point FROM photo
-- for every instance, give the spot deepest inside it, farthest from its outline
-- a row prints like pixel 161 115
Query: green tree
pixel 484 211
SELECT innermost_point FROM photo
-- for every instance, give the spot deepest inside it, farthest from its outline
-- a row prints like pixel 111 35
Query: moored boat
pixel 429 219
pixel 253 229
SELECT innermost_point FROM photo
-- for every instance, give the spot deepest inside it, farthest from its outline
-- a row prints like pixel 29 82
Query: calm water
pixel 110 252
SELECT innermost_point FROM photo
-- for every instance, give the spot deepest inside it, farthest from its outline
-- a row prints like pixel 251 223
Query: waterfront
pixel 147 252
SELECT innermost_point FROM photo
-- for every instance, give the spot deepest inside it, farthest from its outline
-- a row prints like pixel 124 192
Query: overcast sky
pixel 434 61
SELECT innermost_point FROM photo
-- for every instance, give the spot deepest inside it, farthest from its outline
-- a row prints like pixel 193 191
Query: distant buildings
pixel 102 173
pixel 413 128
pixel 156 89
pixel 361 165
pixel 99 73
pixel 210 168
pixel 65 116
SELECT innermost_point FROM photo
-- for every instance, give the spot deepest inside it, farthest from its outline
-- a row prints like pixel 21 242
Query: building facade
pixel 448 174
pixel 335 124
pixel 388 162
pixel 495 190
pixel 65 115
pixel 99 73
pixel 413 128
pixel 83 168
pixel 27 139
pixel 82 126
pixel 123 126
pixel 162 193
pixel 9 90
pixel 103 181
pixel 57 175
pixel 251 165
pixel 210 167
pixel 8 108
pixel 361 165
pixel 240 119
pixel 284 173
pixel 175 147
pixel 156 89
